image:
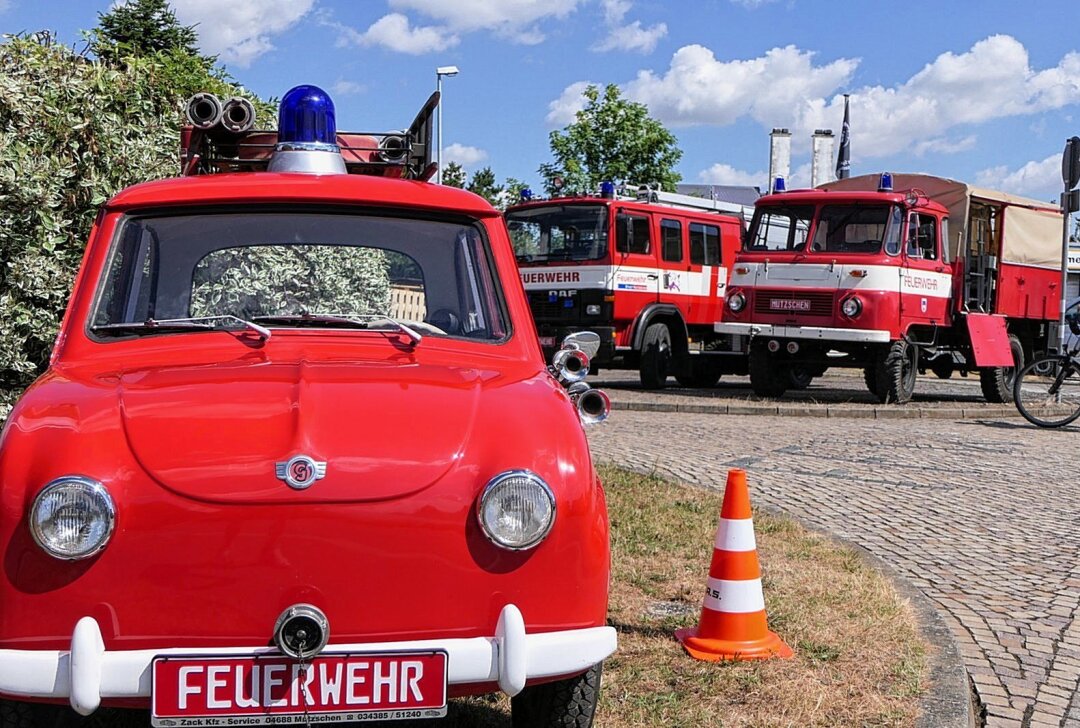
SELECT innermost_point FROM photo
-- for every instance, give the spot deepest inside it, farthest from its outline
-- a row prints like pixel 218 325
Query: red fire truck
pixel 646 271
pixel 895 275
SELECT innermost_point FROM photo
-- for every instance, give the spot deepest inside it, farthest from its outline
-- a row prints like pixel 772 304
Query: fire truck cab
pixel 644 269
pixel 895 275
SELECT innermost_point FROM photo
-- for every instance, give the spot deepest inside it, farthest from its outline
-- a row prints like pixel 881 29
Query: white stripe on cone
pixel 743 596
pixel 736 534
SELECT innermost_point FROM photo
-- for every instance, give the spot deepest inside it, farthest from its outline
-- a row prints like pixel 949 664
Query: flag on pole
pixel 843 157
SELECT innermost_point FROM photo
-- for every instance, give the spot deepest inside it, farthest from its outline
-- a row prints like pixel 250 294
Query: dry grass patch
pixel 859 660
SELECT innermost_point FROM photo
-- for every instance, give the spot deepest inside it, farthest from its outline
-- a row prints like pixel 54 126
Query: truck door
pixel 925 279
pixel 707 265
pixel 636 279
pixel 677 285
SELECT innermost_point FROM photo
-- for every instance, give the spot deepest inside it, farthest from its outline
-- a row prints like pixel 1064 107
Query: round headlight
pixel 851 307
pixel 517 510
pixel 72 518
pixel 736 302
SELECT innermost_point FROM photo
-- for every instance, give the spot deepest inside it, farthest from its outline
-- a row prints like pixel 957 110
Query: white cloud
pixel 395 32
pixel 945 146
pixel 629 37
pixel 1041 179
pixel 725 174
pixel 752 4
pixel 514 20
pixel 5 5
pixel 239 32
pixel 563 109
pixel 464 155
pixel 342 87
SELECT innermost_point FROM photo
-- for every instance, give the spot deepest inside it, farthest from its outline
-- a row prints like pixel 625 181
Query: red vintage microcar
pixel 298 457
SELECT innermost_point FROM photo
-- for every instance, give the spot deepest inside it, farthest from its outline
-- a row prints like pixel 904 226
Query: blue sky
pixel 981 90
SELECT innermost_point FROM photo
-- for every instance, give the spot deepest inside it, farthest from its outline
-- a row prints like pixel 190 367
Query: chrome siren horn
pixel 593 406
pixel 204 110
pixel 238 115
pixel 393 149
pixel 570 365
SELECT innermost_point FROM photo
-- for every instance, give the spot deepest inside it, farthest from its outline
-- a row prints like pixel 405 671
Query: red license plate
pixel 221 690
pixel 547 341
pixel 785 304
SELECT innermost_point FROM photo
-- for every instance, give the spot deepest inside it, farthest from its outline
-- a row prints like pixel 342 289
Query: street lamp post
pixel 441 71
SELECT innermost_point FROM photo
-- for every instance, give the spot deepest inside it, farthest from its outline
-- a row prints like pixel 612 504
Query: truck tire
pixel 768 377
pixel 655 356
pixel 896 370
pixel 870 377
pixel 703 373
pixel 800 376
pixel 997 382
pixel 569 703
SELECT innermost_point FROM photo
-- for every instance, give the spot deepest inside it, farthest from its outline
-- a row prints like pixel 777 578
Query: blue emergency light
pixel 885 185
pixel 306 116
pixel 526 194
pixel 607 190
pixel 779 185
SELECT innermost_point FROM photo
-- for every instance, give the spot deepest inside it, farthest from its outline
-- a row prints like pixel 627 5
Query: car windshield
pixel 559 232
pixel 857 229
pixel 189 272
pixel 779 227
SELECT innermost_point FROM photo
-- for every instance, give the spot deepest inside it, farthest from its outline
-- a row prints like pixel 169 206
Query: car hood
pixel 219 432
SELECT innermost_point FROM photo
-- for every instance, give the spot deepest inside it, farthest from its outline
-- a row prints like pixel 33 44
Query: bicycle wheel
pixel 1047 391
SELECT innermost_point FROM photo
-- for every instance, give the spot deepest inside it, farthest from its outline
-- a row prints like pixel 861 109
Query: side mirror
pixel 586 341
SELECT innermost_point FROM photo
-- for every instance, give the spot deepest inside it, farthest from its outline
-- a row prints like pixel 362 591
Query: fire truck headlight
pixel 72 518
pixel 593 309
pixel 851 307
pixel 736 302
pixel 516 510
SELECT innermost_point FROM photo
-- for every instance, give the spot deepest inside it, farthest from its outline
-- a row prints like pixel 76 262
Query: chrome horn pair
pixel 570 365
pixel 206 111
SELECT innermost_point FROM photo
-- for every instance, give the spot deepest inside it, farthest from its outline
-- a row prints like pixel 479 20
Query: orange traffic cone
pixel 733 624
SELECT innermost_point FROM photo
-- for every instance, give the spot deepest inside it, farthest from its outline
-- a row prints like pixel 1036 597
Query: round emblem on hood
pixel 300 471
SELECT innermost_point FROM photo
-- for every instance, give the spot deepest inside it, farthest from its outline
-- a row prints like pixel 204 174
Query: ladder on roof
pixel 645 193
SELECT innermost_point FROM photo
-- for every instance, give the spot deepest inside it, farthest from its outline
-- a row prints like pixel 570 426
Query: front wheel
pixel 768 376
pixel 655 356
pixel 800 376
pixel 1047 391
pixel 569 703
pixel 895 371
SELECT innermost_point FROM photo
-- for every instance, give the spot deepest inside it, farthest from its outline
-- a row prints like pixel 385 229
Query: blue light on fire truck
pixel 885 185
pixel 306 115
pixel 526 194
pixel 779 185
pixel 607 190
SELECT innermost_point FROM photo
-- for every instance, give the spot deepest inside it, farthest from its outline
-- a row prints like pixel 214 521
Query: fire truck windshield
pixel 857 229
pixel 559 232
pixel 780 227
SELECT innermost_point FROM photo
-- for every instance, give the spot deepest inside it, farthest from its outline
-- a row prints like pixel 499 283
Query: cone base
pixel 715 650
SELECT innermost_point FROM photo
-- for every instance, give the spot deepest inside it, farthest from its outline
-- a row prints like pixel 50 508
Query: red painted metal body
pixel 209 547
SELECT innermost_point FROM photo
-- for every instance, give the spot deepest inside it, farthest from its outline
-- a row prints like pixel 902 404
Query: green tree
pixel 142 28
pixel 614 139
pixel 511 195
pixel 483 184
pixel 454 175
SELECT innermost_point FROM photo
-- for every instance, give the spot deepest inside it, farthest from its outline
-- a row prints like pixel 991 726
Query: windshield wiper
pixel 358 321
pixel 197 323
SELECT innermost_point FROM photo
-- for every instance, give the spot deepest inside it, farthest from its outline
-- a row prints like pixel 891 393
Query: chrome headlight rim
pixel 736 302
pixel 493 484
pixel 99 490
pixel 855 302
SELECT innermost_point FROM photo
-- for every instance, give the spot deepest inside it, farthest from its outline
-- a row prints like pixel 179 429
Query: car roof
pixel 274 187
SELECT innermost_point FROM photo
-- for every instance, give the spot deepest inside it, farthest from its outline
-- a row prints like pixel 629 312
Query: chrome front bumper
pixel 820 333
pixel 88 672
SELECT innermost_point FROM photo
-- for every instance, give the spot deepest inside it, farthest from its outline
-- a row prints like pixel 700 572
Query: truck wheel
pixel 567 703
pixel 655 356
pixel 870 377
pixel 997 382
pixel 896 370
pixel 768 376
pixel 703 373
pixel 800 376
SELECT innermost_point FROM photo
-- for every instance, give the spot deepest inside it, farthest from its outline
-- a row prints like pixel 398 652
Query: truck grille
pixel 794 302
pixel 544 309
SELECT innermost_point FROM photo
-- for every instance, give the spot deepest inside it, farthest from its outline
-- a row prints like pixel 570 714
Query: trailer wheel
pixel 895 372
pixel 997 382
pixel 702 373
pixel 655 356
pixel 768 376
pixel 567 703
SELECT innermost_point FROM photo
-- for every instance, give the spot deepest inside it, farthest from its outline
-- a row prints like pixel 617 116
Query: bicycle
pixel 1047 390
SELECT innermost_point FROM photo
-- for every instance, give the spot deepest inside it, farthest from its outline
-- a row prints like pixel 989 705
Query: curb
pixel 832 411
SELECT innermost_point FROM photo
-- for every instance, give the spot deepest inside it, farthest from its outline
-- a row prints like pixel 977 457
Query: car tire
pixel 997 382
pixel 655 357
pixel 896 371
pixel 569 703
pixel 768 376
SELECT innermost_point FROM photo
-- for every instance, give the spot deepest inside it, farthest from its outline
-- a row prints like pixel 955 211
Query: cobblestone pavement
pixel 981 515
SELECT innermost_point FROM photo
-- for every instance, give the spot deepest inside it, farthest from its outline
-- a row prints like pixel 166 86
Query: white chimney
pixel 779 155
pixel 822 168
